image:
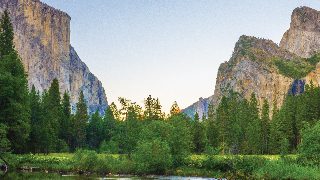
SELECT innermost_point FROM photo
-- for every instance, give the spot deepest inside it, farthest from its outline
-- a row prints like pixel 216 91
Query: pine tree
pixel 36 121
pixel 254 128
pixel 65 130
pixel 14 103
pixel 265 127
pixel 6 35
pixel 174 110
pixel 223 124
pixel 80 121
pixel 199 135
pixel 95 131
pixel 212 129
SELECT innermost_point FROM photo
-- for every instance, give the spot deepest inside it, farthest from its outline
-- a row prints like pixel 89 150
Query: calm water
pixel 45 176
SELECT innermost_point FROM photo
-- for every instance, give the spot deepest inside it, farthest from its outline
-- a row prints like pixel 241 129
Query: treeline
pixel 242 128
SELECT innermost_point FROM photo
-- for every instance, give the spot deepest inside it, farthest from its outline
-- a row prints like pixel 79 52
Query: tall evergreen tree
pixel 36 121
pixel 95 131
pixel 265 127
pixel 174 110
pixel 6 35
pixel 199 135
pixel 254 128
pixel 14 103
pixel 80 121
pixel 65 130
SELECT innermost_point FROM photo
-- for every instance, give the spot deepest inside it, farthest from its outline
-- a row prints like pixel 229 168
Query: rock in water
pixel 42 39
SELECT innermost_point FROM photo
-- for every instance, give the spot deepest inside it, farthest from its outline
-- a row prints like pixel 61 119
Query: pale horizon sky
pixel 170 49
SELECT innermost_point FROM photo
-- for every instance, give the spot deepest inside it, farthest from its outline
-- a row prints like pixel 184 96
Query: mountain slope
pixel 262 67
pixel 42 39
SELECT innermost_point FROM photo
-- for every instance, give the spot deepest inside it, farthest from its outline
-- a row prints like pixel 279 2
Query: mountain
pixel 42 39
pixel 270 71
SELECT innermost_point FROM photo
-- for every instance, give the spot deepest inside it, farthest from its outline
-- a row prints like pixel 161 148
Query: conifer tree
pixel 174 110
pixel 65 130
pixel 6 35
pixel 14 103
pixel 254 128
pixel 199 136
pixel 80 121
pixel 36 121
pixel 265 127
pixel 95 131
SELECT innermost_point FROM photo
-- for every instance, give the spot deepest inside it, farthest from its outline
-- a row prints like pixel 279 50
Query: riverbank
pixel 232 167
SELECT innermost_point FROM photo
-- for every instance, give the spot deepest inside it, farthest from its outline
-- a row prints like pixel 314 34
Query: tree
pixel 223 124
pixel 6 35
pixel 310 146
pixel 174 110
pixel 65 130
pixel 212 130
pixel 36 120
pixel 199 135
pixel 265 127
pixel 153 156
pixel 14 104
pixel 4 142
pixel 95 131
pixel 80 121
pixel 254 127
pixel 153 109
pixel 181 140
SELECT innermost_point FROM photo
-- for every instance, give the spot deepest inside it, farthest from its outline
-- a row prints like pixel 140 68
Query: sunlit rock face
pixel 42 39
pixel 303 36
pixel 250 72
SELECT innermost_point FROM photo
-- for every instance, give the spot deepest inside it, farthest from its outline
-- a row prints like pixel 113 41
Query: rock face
pixel 200 106
pixel 42 39
pixel 251 68
pixel 303 37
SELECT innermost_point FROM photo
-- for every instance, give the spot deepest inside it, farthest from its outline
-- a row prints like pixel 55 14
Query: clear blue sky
pixel 170 49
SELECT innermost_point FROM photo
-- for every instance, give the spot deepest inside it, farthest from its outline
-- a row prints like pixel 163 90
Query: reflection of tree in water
pixel 3 166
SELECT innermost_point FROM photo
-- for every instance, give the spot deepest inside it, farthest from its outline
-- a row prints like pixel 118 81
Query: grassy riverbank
pixel 88 162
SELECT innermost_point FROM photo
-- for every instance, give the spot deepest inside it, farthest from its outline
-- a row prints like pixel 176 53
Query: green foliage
pixel 6 35
pixel 152 156
pixel 310 147
pixel 96 132
pixel 14 104
pixel 284 170
pixel 296 68
pixel 199 135
pixel 79 124
pixel 4 142
pixel 85 160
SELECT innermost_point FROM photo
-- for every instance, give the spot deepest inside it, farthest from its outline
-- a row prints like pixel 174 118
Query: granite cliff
pixel 42 39
pixel 270 71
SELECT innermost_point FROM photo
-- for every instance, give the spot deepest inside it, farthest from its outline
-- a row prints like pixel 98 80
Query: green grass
pixel 218 166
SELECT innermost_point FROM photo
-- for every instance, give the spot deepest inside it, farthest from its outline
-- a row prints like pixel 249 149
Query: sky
pixel 170 49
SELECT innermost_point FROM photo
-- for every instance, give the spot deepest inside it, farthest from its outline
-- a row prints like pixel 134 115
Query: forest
pixel 154 142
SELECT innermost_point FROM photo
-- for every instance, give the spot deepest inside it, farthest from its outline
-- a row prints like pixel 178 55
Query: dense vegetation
pixel 296 68
pixel 146 140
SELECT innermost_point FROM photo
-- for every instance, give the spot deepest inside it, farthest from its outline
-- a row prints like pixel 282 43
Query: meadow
pixel 87 163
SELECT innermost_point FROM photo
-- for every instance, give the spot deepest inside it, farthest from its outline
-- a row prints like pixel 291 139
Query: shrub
pixel 152 157
pixel 282 170
pixel 85 160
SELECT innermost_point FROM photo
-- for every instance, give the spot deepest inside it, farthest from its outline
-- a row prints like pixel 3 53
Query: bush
pixel 85 160
pixel 152 157
pixel 310 146
pixel 282 170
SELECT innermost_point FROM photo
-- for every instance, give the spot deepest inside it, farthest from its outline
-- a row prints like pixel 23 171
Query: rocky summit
pixel 270 71
pixel 42 39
